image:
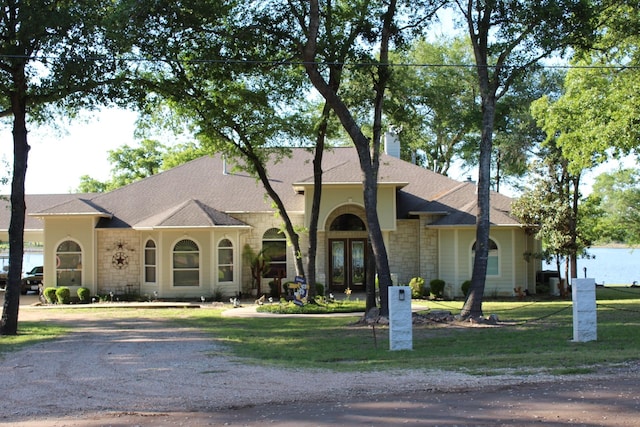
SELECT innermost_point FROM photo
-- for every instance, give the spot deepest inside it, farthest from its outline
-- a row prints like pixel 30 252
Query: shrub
pixel 465 287
pixel 417 287
pixel 319 289
pixel 84 294
pixel 437 288
pixel 63 294
pixel 50 295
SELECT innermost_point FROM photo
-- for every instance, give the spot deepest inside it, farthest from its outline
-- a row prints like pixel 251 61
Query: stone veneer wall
pixel 261 222
pixel 428 251
pixel 113 276
pixel 404 250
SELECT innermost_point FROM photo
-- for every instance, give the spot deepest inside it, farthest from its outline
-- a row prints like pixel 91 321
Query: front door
pixel 347 264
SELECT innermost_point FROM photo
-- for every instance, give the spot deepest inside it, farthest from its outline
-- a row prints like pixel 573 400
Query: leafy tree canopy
pixel 617 195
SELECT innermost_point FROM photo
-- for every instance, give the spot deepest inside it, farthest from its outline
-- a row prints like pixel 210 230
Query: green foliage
pixel 50 295
pixel 436 287
pixel 551 206
pixel 596 116
pixel 616 202
pixel 321 307
pixel 417 287
pixel 63 295
pixel 465 287
pixel 319 289
pixel 436 107
pixel 84 295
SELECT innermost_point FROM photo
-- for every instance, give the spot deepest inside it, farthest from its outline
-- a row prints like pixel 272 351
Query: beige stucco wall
pixel 79 229
pixel 414 249
pixel 335 196
pixel 514 270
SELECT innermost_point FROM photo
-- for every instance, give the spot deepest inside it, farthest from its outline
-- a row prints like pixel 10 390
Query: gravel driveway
pixel 116 369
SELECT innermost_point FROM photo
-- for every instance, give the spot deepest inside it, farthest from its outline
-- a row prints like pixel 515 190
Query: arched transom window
pixel 347 222
pixel 493 259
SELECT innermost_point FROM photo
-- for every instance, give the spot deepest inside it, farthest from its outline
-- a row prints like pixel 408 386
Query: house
pixel 181 233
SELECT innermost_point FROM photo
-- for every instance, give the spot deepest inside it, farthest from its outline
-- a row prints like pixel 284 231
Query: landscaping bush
pixel 417 287
pixel 465 287
pixel 63 295
pixel 437 288
pixel 319 289
pixel 84 295
pixel 50 295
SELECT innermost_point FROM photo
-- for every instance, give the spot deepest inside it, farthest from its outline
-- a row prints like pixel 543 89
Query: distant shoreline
pixel 615 246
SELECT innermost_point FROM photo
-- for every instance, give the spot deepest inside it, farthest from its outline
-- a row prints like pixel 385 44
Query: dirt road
pixel 136 369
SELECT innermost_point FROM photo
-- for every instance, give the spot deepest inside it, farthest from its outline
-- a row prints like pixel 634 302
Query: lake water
pixel 613 266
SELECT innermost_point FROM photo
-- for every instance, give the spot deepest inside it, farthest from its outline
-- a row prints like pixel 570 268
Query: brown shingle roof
pixel 199 193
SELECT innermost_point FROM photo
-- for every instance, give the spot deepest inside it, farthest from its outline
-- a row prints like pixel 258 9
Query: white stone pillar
pixel 583 293
pixel 400 320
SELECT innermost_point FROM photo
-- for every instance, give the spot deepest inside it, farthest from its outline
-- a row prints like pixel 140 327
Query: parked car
pixel 32 280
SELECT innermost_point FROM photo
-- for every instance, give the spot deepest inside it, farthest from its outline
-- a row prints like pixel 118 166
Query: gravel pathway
pixel 115 365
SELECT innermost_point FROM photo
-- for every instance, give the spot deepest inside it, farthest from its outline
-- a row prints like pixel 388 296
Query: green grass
pixel 30 333
pixel 532 336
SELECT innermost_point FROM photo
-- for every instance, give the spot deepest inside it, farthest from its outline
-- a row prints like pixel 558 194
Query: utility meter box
pixel 400 320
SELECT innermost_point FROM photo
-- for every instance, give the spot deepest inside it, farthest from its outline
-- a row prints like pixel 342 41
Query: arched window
pixel 225 261
pixel 186 263
pixel 274 244
pixel 347 222
pixel 493 264
pixel 150 262
pixel 68 264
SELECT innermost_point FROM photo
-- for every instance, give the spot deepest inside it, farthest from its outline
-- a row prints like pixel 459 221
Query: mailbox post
pixel 400 320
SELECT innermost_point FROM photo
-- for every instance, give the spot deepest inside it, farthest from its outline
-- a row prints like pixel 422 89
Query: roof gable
pixel 191 213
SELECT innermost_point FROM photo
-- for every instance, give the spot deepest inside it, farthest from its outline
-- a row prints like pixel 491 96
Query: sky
pixel 59 157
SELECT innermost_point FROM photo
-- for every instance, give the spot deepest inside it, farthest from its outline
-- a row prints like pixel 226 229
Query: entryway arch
pixel 347 248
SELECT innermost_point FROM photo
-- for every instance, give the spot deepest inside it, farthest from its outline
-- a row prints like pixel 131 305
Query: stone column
pixel 583 293
pixel 400 320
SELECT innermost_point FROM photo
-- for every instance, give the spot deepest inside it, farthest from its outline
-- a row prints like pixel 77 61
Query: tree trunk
pixel 473 303
pixel 367 150
pixel 317 196
pixel 9 323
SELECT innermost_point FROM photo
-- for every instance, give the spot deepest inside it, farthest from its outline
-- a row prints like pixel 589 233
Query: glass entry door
pixel 347 264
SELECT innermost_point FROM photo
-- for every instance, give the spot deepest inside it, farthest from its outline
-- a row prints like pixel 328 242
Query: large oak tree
pixel 509 37
pixel 54 56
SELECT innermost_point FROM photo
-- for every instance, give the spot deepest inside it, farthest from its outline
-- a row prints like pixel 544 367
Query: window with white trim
pixel 150 261
pixel 493 259
pixel 225 261
pixel 69 264
pixel 186 263
pixel 274 244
